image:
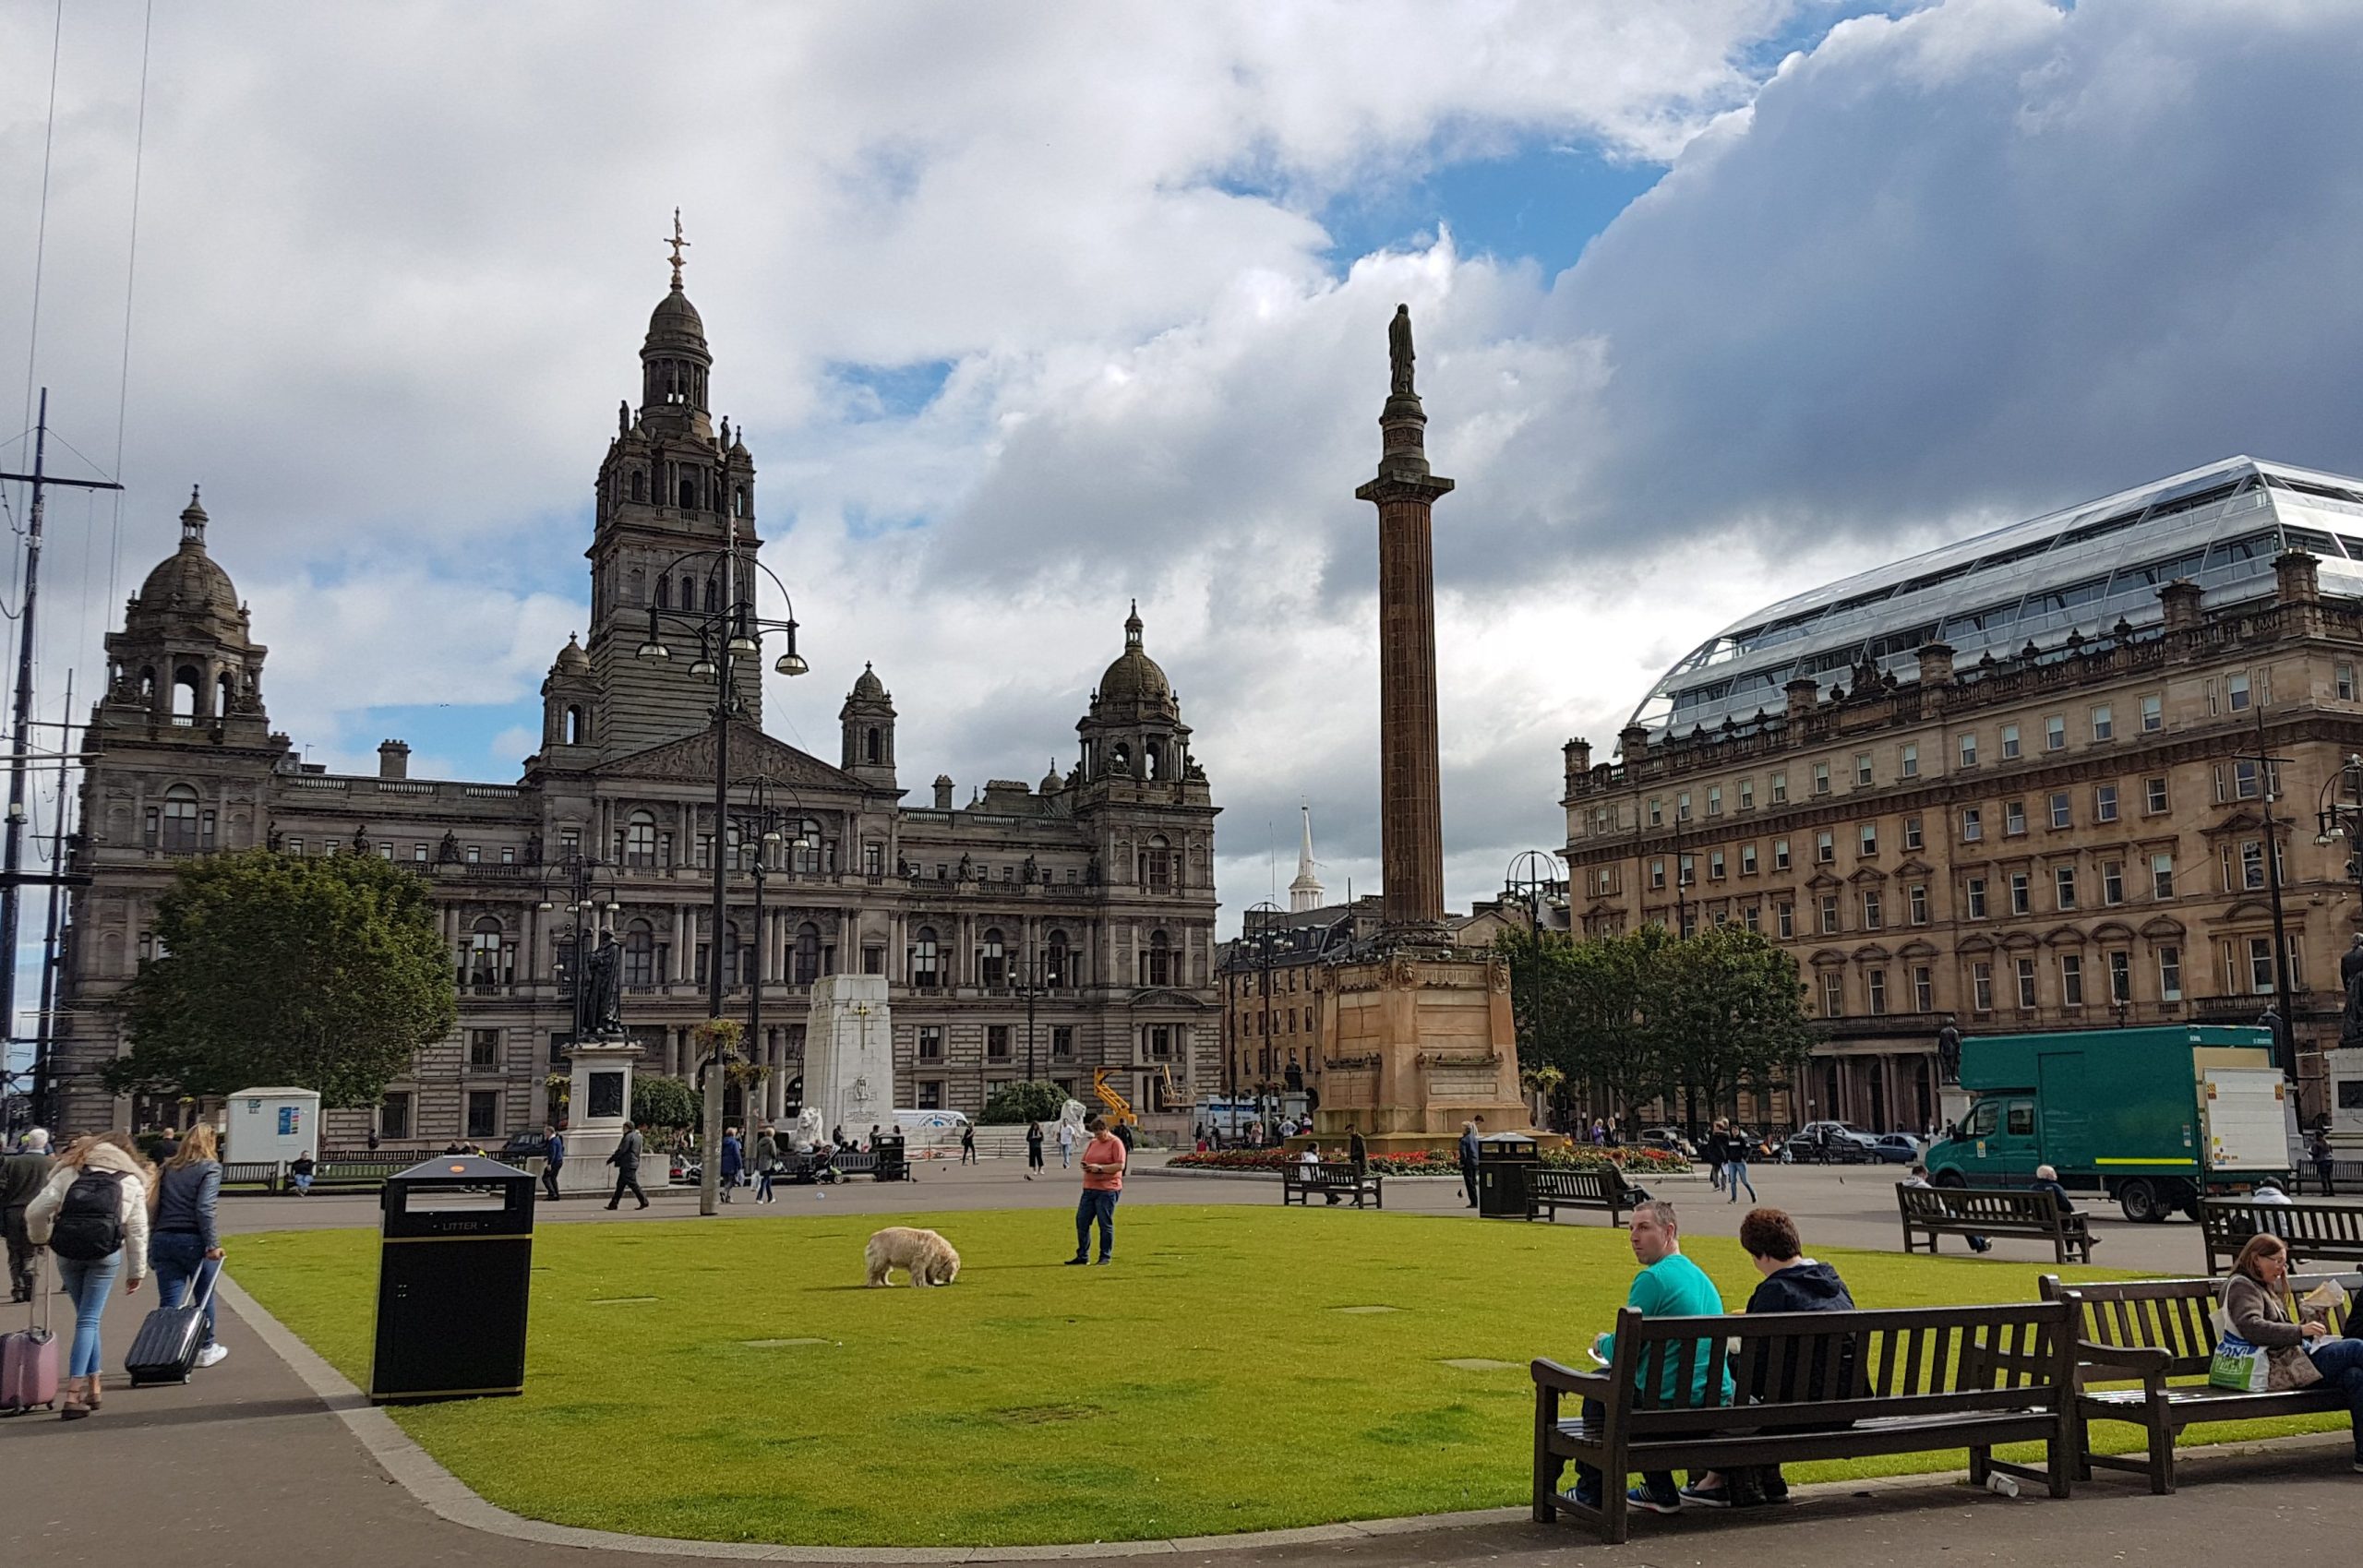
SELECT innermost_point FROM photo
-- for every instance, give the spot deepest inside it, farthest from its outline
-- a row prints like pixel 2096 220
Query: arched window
pixel 689 494
pixel 925 958
pixel 639 485
pixel 738 500
pixel 1157 863
pixel 689 591
pixel 1055 959
pixel 639 840
pixel 1120 763
pixel 805 854
pixel 148 683
pixel 223 688
pixel 664 592
pixel 808 953
pixel 1157 965
pixel 640 953
pixel 869 748
pixel 712 594
pixel 635 588
pixel 180 821
pixel 738 957
pixel 992 966
pixel 575 732
pixel 185 686
pixel 488 943
pixel 1152 759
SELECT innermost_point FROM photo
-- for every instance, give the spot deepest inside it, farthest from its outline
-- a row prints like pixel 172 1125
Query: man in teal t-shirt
pixel 1669 1286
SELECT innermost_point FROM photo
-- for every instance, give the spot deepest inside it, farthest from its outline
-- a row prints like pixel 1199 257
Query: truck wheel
pixel 1950 1178
pixel 2139 1201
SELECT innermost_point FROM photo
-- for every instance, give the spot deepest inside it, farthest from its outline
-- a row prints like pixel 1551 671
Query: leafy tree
pixel 1021 1102
pixel 327 974
pixel 1725 1010
pixel 659 1101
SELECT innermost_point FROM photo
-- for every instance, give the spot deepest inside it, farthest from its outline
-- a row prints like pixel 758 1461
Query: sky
pixel 1030 311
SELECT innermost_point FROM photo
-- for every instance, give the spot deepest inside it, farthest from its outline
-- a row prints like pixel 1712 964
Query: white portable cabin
pixel 271 1124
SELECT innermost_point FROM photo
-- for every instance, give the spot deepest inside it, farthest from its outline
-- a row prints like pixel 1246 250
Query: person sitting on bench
pixel 2046 1180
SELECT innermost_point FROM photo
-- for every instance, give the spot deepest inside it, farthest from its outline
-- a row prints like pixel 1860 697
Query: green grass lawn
pixel 736 1382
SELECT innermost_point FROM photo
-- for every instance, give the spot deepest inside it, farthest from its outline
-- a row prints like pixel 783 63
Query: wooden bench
pixel 2317 1230
pixel 262 1174
pixel 1548 1191
pixel 1826 1386
pixel 1931 1212
pixel 2157 1330
pixel 1331 1180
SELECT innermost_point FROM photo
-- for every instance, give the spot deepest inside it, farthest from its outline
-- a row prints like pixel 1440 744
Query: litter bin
pixel 455 1263
pixel 1504 1162
pixel 893 1164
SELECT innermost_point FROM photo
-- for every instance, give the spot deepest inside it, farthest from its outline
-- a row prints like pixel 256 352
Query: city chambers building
pixel 1050 930
pixel 2056 776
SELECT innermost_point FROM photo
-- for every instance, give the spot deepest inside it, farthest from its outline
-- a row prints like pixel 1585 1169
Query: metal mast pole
pixel 47 1030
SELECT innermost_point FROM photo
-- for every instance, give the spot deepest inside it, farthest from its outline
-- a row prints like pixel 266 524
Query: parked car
pixel 522 1146
pixel 1829 1143
pixel 1668 1138
pixel 1896 1148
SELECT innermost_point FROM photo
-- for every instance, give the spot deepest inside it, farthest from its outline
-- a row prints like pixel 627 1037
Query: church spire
pixel 1305 892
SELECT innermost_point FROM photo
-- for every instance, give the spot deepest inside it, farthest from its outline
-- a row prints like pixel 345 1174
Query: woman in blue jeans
pixel 183 1236
pixel 92 1216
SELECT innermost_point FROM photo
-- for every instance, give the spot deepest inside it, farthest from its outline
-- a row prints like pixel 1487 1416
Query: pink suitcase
pixel 28 1358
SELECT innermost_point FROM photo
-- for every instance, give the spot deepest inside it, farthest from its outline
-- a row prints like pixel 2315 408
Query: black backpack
pixel 89 1223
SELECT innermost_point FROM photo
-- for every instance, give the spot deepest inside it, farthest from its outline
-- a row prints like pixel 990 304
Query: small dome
pixel 1134 677
pixel 572 659
pixel 868 688
pixel 1051 782
pixel 676 323
pixel 189 582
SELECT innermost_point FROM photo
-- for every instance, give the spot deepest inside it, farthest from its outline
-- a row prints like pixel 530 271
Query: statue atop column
pixel 601 1016
pixel 1398 350
pixel 1949 1052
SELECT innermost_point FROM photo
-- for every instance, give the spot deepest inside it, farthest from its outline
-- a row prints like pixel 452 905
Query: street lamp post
pixel 2283 1041
pixel 1026 977
pixel 1266 938
pixel 759 822
pixel 726 634
pixel 1534 878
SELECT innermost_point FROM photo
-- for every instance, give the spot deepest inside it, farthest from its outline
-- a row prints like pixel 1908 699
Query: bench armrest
pixel 1566 1380
pixel 2138 1361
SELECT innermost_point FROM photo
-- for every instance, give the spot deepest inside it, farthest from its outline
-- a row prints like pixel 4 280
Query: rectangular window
pixel 873 960
pixel 473 854
pixel 2343 681
pixel 1780 788
pixel 1912 833
pixel 1753 913
pixel 2161 875
pixel 2170 973
pixel 1715 864
pixel 484 1050
pixel 1829 915
pixel 2054 733
pixel 2237 688
pixel 2103 724
pixel 2120 976
pixel 2071 980
pixel 2063 886
pixel 2252 864
pixel 1785 919
pixel 2112 881
pixel 418 853
pixel 1973 824
pixel 2022 894
pixel 393 1116
pixel 1833 995
pixel 1862 770
pixel 1923 990
pixel 1715 800
pixel 484 1113
pixel 1748 860
pixel 1969 749
pixel 1062 1043
pixel 1875 986
pixel 1907 761
pixel 931 1094
pixel 2014 817
pixel 509 854
pixel 385 851
pixel 2154 796
pixel 1915 903
pixel 2154 714
pixel 2010 741
pixel 1825 847
pixel 1686 870
pixel 1779 854
pixel 1682 806
pixel 2260 964
pixel 2026 985
pixel 873 859
pixel 1747 795
pixel 296 847
pixel 1821 778
pixel 996 1042
pixel 2061 816
pixel 1870 838
pixel 931 1042
pixel 2105 802
pixel 1975 900
pixel 1981 987
pixel 1872 914
pixel 1657 812
pixel 1657 871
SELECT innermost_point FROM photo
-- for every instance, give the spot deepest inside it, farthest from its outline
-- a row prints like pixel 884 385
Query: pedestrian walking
pixel 22 1176
pixel 734 1160
pixel 373 1140
pixel 2319 1150
pixel 1103 1182
pixel 1033 1149
pixel 186 1235
pixel 766 1165
pixel 967 1144
pixel 1066 1144
pixel 301 1168
pixel 1469 1160
pixel 1710 1155
pixel 553 1159
pixel 92 1213
pixel 1735 1165
pixel 626 1159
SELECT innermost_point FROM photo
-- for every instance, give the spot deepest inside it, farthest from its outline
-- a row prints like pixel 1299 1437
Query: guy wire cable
pixel 130 271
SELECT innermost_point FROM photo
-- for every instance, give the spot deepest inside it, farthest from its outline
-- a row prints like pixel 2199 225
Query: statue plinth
pixel 1414 1045
pixel 598 1101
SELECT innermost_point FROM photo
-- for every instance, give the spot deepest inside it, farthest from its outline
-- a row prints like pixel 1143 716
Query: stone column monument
pixel 1421 1039
pixel 849 1054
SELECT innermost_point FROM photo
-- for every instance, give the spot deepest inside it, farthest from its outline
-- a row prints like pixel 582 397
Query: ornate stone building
pixel 1047 931
pixel 2044 778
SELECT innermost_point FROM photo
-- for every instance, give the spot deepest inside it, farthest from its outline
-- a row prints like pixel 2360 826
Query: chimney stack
pixel 1633 743
pixel 393 760
pixel 1936 665
pixel 944 792
pixel 1802 692
pixel 2295 576
pixel 1578 755
pixel 2182 598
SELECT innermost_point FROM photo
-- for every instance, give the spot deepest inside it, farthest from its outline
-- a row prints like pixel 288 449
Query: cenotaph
pixel 849 1054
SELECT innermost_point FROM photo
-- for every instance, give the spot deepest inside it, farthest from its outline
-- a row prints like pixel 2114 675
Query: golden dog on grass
pixel 926 1257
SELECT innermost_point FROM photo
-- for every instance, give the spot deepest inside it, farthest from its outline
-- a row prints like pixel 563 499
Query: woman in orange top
pixel 1103 1180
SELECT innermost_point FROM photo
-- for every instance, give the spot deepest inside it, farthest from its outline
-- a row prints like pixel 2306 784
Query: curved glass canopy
pixel 2083 570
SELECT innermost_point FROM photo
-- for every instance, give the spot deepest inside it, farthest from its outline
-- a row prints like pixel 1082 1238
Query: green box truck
pixel 2151 1117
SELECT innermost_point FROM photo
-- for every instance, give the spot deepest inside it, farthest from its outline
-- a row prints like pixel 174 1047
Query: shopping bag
pixel 2240 1365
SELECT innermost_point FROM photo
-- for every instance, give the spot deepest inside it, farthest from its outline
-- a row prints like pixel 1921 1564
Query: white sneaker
pixel 211 1355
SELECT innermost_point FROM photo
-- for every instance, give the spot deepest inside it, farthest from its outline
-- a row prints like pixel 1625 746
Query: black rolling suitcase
pixel 165 1349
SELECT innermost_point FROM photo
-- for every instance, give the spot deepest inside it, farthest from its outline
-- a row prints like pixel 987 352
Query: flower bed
pixel 1632 1159
pixel 1421 1162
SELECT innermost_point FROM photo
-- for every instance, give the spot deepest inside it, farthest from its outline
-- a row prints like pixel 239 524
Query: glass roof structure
pixel 2079 570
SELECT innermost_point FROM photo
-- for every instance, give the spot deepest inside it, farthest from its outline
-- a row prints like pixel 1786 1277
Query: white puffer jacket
pixel 41 1215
